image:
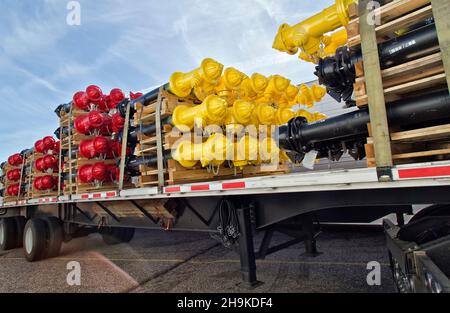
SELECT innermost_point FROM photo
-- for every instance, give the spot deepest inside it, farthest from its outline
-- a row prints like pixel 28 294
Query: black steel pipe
pixel 300 137
pixel 337 73
pixel 145 100
pixel 57 133
pixel 63 108
pixel 133 162
pixel 147 130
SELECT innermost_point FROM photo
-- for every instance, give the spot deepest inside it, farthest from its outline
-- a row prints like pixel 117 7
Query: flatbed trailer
pixel 285 204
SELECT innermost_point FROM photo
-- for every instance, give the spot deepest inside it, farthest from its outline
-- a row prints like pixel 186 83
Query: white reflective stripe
pixel 395 175
pixel 96 195
pixel 215 187
pixel 44 200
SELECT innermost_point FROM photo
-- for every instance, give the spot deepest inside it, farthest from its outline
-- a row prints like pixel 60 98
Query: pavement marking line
pixel 262 262
pixel 173 267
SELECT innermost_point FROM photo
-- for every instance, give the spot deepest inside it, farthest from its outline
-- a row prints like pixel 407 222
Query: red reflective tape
pixel 111 194
pixel 173 189
pixel 97 195
pixel 200 188
pixel 238 185
pixel 85 197
pixel 424 172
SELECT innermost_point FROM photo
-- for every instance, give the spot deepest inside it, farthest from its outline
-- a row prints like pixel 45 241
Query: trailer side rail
pixel 404 176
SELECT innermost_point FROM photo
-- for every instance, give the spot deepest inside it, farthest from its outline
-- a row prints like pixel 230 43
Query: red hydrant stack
pixel 91 152
pixel 13 178
pixel 45 168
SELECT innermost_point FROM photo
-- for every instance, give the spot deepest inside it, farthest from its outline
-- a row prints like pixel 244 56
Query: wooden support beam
pixel 441 12
pixel 375 93
pixel 123 154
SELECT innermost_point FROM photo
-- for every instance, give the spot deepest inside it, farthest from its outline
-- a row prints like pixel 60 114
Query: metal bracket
pixel 385 174
pixel 159 152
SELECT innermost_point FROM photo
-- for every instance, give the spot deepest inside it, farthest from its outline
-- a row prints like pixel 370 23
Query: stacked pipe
pixel 46 155
pixel 97 123
pixel 348 132
pixel 13 177
pixel 229 99
pixel 337 72
pixel 310 36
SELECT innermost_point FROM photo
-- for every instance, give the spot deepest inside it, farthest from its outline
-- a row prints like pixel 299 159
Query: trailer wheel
pixel 35 239
pixel 8 234
pixel 114 236
pixel 127 235
pixel 401 280
pixel 20 224
pixel 55 236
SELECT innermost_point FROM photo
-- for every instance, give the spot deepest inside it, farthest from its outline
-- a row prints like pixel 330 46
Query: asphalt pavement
pixel 160 261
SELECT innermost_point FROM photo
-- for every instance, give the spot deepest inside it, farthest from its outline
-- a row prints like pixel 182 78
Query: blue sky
pixel 131 44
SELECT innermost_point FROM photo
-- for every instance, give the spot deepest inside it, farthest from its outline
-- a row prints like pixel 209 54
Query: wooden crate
pixel 7 183
pixel 395 15
pixel 417 145
pixel 73 164
pixel 424 73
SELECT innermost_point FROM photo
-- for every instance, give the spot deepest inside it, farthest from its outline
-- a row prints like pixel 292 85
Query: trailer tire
pixel 8 234
pixel 109 236
pixel 35 239
pixel 55 236
pixel 115 236
pixel 127 235
pixel 20 224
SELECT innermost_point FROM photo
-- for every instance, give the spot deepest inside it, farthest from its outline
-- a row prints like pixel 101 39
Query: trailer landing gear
pixel 246 249
pixel 301 228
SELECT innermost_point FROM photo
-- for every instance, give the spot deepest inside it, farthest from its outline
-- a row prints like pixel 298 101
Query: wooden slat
pixel 417 85
pixel 391 11
pixel 413 70
pixel 421 154
pixel 405 21
pixel 422 134
pixel 441 12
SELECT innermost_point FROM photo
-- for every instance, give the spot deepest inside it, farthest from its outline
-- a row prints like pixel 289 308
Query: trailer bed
pixel 429 174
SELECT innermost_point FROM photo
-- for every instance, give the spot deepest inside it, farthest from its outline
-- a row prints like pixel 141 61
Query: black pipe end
pixel 122 108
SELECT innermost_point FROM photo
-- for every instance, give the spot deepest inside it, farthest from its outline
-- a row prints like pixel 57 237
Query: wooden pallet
pixel 181 175
pixel 414 76
pixel 425 73
pixel 79 187
pixel 24 180
pixel 146 115
pixel 396 15
pixel 418 145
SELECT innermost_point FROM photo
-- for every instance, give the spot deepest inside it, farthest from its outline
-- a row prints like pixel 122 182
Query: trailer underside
pixel 234 210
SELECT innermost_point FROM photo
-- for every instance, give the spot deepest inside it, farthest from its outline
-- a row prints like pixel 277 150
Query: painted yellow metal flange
pixel 307 34
pixel 212 152
pixel 303 113
pixel 276 87
pixel 230 80
pixel 318 116
pixel 187 153
pixel 289 98
pixel 310 95
pixel 181 84
pixel 212 111
pixel 246 151
pixel 253 86
pixel 284 115
pixel 264 114
pixel 240 113
pixel 330 44
pixel 333 41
